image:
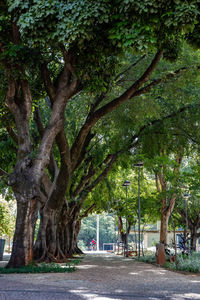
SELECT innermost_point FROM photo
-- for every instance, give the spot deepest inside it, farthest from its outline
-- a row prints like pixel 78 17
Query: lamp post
pixel 126 184
pixel 139 165
pixel 97 232
pixel 186 196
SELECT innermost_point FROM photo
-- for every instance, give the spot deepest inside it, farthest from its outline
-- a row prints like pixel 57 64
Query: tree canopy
pixel 62 66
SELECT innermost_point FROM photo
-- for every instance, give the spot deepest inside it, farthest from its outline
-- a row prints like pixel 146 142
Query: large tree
pixel 171 144
pixel 56 50
pixel 187 210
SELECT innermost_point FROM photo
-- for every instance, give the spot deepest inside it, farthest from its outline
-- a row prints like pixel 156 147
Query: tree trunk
pixel 27 193
pixel 194 236
pixel 167 208
pixel 47 246
pixel 22 250
pixel 58 235
pixel 70 238
pixel 123 235
pixel 76 233
pixel 164 224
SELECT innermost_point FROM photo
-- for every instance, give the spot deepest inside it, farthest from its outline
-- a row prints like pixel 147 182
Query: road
pixel 102 277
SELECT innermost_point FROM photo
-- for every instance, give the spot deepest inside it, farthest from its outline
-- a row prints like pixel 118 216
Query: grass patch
pixel 43 268
pixel 190 263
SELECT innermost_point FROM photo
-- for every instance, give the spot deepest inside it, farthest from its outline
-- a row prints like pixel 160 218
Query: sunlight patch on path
pixel 187 296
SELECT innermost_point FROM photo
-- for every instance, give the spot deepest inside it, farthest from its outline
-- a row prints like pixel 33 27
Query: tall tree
pixel 187 212
pixel 53 49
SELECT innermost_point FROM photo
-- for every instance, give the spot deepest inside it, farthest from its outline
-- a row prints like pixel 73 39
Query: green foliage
pixel 190 263
pixel 74 20
pixel 107 232
pixel 105 37
pixel 42 268
pixel 99 32
pixel 7 217
pixel 8 151
pixel 128 207
pixel 148 258
pixel 189 184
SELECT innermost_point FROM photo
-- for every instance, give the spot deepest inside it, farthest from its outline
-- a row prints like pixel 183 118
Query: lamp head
pixel 186 195
pixel 126 183
pixel 139 164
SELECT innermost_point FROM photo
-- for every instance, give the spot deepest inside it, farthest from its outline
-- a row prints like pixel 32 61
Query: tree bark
pixel 164 225
pixel 22 250
pixel 123 233
pixel 166 208
pixel 194 237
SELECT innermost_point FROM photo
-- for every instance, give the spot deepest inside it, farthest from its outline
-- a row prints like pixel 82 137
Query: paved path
pixel 102 277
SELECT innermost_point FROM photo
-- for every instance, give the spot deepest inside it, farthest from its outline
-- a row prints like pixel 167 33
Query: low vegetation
pixel 149 258
pixel 43 268
pixel 185 263
pixel 190 263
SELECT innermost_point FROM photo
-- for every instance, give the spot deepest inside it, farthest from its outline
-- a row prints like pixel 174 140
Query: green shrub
pixel 43 268
pixel 190 263
pixel 148 258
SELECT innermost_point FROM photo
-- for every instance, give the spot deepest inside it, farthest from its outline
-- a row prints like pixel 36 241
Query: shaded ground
pixel 102 277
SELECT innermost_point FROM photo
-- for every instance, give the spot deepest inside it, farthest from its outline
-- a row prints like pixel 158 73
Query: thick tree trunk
pixel 47 247
pixel 70 238
pixel 22 251
pixel 58 235
pixel 27 194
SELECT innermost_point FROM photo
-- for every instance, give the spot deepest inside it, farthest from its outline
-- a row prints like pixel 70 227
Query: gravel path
pixel 102 277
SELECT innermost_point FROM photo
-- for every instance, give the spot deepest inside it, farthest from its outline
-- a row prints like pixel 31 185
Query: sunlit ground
pixel 96 252
pixel 105 276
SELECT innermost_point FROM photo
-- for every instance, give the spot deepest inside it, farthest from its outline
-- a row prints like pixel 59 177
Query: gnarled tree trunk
pixel 58 234
pixel 27 195
pixel 22 251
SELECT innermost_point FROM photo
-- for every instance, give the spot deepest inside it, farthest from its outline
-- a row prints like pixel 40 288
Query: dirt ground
pixel 102 276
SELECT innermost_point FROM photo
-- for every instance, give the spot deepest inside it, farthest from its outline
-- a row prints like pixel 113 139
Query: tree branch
pixel 83 181
pixel 3 173
pixel 12 134
pixel 98 114
pixel 86 213
pixel 50 88
pixel 128 69
pixel 100 177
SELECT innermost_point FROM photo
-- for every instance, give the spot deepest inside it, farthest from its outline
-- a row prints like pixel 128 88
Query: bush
pixel 148 258
pixel 190 263
pixel 43 268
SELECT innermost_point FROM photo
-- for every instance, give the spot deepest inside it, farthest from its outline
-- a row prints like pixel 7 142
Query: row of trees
pixel 184 214
pixel 82 85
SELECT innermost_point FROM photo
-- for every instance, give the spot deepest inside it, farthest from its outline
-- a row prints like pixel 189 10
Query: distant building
pixel 151 235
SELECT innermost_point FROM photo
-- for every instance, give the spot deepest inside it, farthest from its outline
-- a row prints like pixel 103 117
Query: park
pixel 100 149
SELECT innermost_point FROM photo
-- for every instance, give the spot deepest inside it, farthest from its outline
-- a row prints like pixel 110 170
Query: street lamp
pixel 97 232
pixel 126 184
pixel 139 165
pixel 186 196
